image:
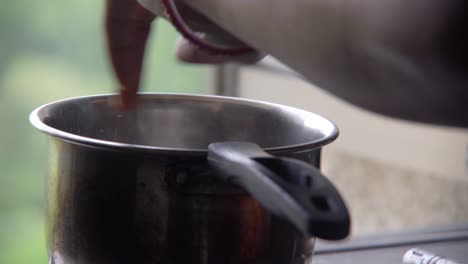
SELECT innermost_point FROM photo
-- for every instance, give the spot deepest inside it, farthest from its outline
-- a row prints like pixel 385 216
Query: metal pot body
pixel 115 196
pixel 112 207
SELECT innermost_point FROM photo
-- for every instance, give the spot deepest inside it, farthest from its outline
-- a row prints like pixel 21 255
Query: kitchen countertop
pixel 449 242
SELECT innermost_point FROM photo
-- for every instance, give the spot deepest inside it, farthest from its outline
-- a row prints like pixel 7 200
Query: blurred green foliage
pixel 51 50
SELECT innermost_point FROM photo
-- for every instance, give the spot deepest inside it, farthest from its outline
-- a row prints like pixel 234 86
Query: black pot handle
pixel 287 187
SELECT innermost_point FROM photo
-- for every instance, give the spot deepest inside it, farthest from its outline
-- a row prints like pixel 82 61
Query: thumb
pixel 187 52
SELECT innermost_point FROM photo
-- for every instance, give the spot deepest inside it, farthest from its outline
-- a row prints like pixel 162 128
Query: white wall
pixel 394 175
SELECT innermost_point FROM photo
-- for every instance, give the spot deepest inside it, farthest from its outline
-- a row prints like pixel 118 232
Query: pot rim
pixel 330 130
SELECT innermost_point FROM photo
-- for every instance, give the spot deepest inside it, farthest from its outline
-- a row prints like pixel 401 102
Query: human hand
pixel 128 24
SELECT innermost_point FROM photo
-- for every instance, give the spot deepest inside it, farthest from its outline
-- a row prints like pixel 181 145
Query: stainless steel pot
pixel 186 179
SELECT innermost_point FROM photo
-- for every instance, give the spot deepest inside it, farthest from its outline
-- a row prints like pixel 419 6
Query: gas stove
pixel 449 242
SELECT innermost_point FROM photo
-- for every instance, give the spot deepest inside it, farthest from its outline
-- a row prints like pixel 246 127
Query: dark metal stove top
pixel 450 242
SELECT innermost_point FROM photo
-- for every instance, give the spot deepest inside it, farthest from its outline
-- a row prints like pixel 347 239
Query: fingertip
pixel 187 52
